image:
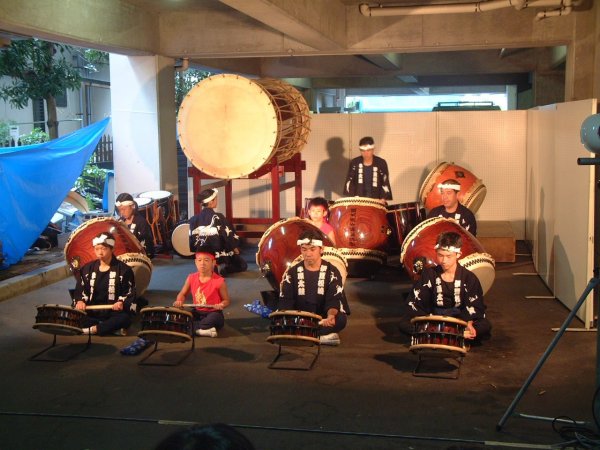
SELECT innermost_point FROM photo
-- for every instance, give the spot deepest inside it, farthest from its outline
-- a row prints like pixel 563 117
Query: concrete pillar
pixel 143 123
pixel 582 67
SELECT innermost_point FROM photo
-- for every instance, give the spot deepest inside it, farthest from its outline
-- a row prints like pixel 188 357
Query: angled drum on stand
pixel 418 250
pixel 472 190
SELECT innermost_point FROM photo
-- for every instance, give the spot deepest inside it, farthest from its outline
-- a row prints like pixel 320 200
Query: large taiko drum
pixel 438 333
pixel 58 319
pixel 472 190
pixel 278 247
pixel 361 233
pixel 418 250
pixel 298 328
pixel 229 126
pixel 402 218
pixel 166 324
pixel 80 251
pixel 145 207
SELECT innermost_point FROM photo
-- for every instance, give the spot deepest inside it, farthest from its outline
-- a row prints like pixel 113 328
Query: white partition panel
pixel 560 201
pixel 490 144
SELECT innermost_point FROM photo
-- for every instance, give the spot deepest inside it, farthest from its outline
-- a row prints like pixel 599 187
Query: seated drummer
pixel 451 208
pixel 105 281
pixel 210 231
pixel 135 221
pixel 449 289
pixel 368 175
pixel 315 285
pixel 209 292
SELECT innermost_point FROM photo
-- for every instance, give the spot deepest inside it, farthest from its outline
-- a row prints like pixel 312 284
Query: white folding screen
pixel 560 202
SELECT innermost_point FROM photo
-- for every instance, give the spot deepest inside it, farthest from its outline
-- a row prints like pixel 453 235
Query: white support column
pixel 143 123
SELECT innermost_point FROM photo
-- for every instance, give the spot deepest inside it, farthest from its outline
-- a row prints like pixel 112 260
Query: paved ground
pixel 361 395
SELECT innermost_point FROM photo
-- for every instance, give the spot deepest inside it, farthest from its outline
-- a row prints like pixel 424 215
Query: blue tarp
pixel 34 181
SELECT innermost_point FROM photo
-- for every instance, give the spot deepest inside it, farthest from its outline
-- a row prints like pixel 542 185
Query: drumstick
pixel 98 307
pixel 193 305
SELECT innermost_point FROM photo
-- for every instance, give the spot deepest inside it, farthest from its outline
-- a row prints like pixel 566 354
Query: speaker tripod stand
pixel 592 284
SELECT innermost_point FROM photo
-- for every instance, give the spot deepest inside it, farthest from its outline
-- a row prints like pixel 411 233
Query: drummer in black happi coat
pixel 451 208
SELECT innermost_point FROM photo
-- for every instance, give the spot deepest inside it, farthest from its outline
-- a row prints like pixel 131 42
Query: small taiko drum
pixel 402 218
pixel 145 207
pixel 80 251
pixel 361 233
pixel 166 324
pixel 180 240
pixel 438 333
pixel 58 319
pixel 418 250
pixel 278 247
pixel 296 328
pixel 472 190
pixel 229 126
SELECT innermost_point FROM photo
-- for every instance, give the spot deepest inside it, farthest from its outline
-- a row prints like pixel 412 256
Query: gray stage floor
pixel 360 395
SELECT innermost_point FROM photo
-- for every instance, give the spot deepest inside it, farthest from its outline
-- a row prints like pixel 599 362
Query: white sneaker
pixel 330 339
pixel 211 332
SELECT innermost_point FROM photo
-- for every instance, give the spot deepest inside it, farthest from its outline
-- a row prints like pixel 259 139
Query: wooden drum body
pixel 298 328
pixel 418 250
pixel 402 218
pixel 166 324
pixel 472 190
pixel 229 126
pixel 438 333
pixel 58 319
pixel 80 251
pixel 361 232
pixel 278 247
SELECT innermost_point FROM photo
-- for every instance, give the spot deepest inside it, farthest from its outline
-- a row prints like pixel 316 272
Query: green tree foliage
pixel 186 80
pixel 38 69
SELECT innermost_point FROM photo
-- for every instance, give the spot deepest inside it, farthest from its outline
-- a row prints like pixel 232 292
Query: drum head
pixel 227 126
pixel 142 201
pixel 155 195
pixel 57 328
pixel 293 341
pixel 180 240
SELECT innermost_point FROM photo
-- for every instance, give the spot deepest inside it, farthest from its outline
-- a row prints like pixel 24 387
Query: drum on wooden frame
pixel 58 319
pixel 146 207
pixel 296 328
pixel 278 247
pixel 418 250
pixel 80 251
pixel 166 324
pixel 361 232
pixel 229 126
pixel 438 333
pixel 472 190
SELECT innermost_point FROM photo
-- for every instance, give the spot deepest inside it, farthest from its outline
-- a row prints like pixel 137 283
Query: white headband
pixel 211 197
pixel 315 242
pixel 366 147
pixel 456 187
pixel 448 248
pixel 124 203
pixel 103 239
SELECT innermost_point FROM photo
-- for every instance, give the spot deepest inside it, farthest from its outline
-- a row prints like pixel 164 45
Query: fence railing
pixel 102 156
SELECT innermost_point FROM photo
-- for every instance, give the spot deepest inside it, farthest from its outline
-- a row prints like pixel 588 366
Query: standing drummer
pixel 315 285
pixel 368 174
pixel 108 282
pixel 210 231
pixel 449 289
pixel 135 221
pixel 451 208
